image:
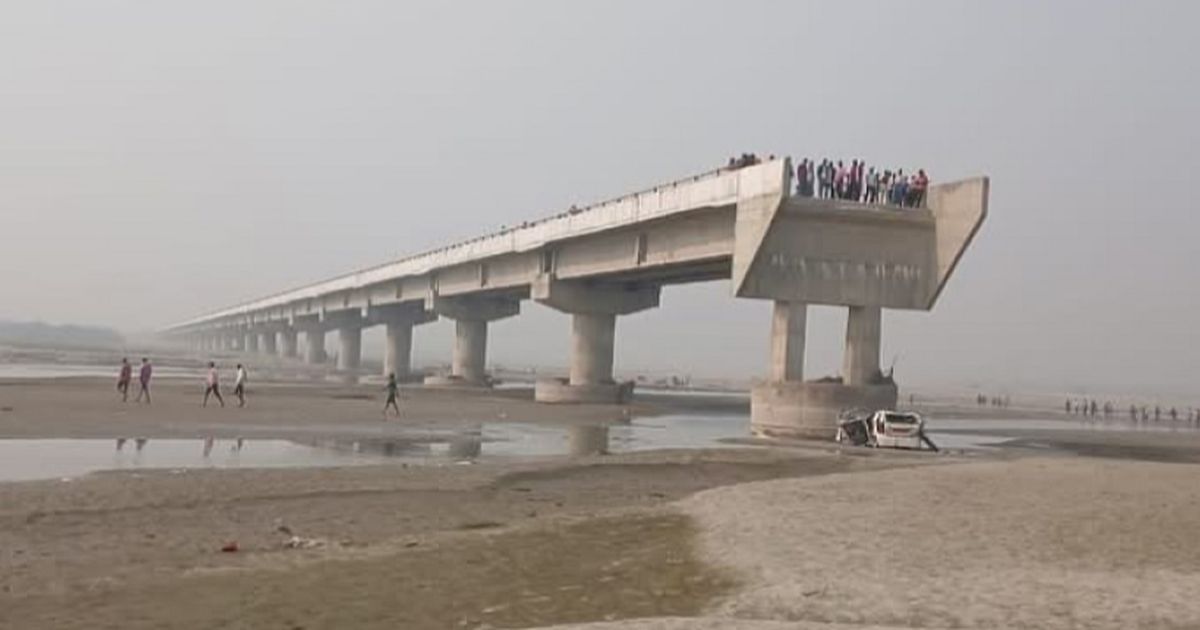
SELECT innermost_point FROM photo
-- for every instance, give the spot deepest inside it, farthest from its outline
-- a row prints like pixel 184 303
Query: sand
pixel 1032 543
pixel 720 538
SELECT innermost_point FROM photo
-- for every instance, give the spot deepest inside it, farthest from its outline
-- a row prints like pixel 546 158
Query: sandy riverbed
pixel 754 538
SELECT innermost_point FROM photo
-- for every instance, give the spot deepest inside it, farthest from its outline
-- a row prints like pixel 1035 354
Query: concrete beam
pixel 479 309
pixel 581 297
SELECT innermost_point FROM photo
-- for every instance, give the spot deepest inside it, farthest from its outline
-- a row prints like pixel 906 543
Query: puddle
pixel 23 460
pixel 967 441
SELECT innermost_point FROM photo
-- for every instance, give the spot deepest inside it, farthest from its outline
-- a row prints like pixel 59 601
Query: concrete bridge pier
pixel 471 317
pixel 399 321
pixel 250 341
pixel 786 405
pixel 266 339
pixel 860 364
pixel 314 344
pixel 594 310
pixel 350 352
pixel 288 342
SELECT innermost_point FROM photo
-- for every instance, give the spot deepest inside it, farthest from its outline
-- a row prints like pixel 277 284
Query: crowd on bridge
pixel 854 182
pixel 861 183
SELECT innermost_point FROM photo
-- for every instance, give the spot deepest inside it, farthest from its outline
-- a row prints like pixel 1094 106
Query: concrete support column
pixel 250 342
pixel 267 342
pixel 470 350
pixel 592 343
pixel 287 343
pixel 471 316
pixel 789 322
pixel 594 309
pixel 397 352
pixel 314 345
pixel 860 364
pixel 350 354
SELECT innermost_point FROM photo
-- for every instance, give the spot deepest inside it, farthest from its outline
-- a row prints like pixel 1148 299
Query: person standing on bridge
pixel 393 391
pixel 144 379
pixel 804 178
pixel 124 379
pixel 239 385
pixel 212 385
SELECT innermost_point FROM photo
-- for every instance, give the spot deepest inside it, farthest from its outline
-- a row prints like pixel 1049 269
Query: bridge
pixel 599 262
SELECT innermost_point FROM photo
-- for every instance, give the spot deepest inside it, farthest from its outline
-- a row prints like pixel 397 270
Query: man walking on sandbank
pixel 212 385
pixel 124 379
pixel 239 385
pixel 144 380
pixel 392 395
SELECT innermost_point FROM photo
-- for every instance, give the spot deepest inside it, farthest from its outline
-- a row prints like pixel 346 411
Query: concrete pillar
pixel 789 321
pixel 594 310
pixel 470 350
pixel 287 343
pixel 860 364
pixel 397 353
pixel 350 354
pixel 267 342
pixel 592 344
pixel 250 342
pixel 314 345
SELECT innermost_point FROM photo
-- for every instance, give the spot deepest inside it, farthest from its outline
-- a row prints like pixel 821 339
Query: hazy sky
pixel 161 159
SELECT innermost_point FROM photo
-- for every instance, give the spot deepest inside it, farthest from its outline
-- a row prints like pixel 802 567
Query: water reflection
pixel 42 459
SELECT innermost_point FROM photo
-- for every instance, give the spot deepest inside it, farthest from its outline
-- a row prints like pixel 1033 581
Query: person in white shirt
pixel 239 385
pixel 212 385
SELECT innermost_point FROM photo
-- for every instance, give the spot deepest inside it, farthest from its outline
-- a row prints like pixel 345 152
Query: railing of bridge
pixel 296 293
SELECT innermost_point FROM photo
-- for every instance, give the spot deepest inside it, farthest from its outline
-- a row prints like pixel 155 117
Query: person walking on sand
pixel 124 379
pixel 144 380
pixel 392 395
pixel 212 385
pixel 239 385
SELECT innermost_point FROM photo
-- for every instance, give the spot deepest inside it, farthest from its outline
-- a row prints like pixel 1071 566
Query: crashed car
pixel 884 428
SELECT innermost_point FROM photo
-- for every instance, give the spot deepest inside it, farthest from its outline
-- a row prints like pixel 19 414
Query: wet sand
pixel 716 538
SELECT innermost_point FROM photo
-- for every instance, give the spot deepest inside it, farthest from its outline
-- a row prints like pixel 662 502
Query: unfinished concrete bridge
pixel 613 258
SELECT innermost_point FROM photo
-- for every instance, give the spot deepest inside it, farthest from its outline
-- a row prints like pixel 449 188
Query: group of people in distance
pixel 212 385
pixel 860 183
pixel 1092 409
pixel 125 378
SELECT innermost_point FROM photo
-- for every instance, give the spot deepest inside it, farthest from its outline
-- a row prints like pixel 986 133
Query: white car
pixel 884 429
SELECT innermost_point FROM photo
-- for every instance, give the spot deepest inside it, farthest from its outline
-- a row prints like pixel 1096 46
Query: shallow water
pixel 71 370
pixel 24 459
